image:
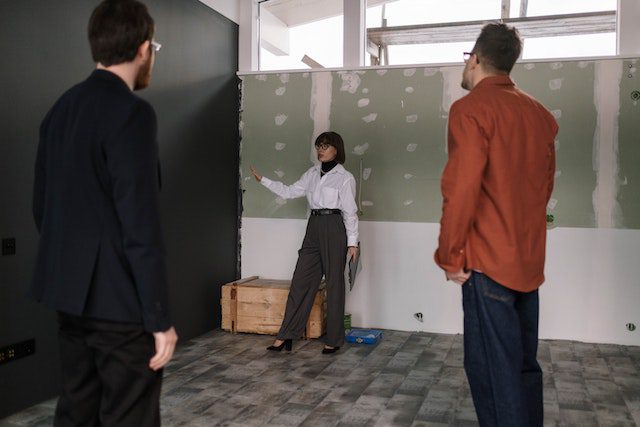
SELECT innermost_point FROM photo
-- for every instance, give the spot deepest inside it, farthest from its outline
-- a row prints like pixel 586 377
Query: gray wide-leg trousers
pixel 324 251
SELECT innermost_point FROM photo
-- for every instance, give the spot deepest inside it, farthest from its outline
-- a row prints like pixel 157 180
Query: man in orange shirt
pixel 495 187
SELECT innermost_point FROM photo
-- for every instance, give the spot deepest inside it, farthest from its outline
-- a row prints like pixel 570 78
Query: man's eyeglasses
pixel 467 55
pixel 155 46
pixel 322 147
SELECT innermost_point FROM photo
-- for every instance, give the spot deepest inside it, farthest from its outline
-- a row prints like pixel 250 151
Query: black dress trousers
pixel 106 379
pixel 324 251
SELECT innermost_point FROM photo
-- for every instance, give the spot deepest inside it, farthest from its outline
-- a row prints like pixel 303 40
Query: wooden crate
pixel 257 305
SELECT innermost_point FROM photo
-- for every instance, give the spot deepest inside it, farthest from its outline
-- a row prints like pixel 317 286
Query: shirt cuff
pixel 158 322
pixel 265 181
pixel 352 241
pixel 453 264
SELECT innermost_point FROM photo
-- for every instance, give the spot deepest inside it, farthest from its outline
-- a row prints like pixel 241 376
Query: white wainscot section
pixel 592 289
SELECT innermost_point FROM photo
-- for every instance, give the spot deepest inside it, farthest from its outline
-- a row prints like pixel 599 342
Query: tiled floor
pixel 408 379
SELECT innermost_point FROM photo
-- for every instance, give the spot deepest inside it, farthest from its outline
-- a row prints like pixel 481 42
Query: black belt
pixel 315 212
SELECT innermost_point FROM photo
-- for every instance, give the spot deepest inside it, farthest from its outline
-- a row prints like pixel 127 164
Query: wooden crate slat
pixel 275 311
pixel 258 305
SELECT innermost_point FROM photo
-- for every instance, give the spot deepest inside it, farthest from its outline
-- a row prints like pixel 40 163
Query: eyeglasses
pixel 322 147
pixel 155 46
pixel 467 55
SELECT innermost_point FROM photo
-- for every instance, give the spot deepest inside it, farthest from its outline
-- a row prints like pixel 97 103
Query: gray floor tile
pixel 290 414
pixel 326 414
pixel 408 379
pixel 608 413
pixel 573 417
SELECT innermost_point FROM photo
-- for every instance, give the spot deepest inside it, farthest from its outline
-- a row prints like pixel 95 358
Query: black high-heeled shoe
pixel 330 350
pixel 286 344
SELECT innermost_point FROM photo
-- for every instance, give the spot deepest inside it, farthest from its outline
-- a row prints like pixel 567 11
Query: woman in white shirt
pixel 332 232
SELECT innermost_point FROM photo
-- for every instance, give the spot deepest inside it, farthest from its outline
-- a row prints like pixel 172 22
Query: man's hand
pixel 165 344
pixel 352 251
pixel 459 277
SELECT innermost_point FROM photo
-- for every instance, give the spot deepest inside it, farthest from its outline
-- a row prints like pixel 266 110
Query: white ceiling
pixel 227 8
pixel 298 12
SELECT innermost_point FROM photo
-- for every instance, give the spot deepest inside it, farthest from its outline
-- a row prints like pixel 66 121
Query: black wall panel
pixel 44 50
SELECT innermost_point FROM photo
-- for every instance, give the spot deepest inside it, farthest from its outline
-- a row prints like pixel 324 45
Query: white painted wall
pixel 274 34
pixel 628 29
pixel 354 29
pixel 592 289
pixel 248 33
pixel 227 8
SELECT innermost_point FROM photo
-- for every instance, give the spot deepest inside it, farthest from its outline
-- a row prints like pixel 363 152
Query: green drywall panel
pixel 573 104
pixel 406 139
pixel 260 134
pixel 629 146
pixel 402 149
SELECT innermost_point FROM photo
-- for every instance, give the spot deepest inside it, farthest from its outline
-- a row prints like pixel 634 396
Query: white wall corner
pixel 227 8
pixel 248 37
pixel 354 32
pixel 628 29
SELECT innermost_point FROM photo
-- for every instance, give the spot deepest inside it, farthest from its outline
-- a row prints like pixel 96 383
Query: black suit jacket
pixel 95 204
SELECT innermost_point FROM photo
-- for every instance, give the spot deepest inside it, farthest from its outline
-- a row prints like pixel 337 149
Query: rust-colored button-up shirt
pixel 496 185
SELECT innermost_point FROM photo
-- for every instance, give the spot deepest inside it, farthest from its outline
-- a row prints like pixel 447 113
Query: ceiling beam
pixel 529 27
pixel 373 49
pixel 505 9
pixel 523 8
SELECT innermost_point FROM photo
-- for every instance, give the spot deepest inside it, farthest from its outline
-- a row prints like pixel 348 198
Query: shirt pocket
pixel 328 198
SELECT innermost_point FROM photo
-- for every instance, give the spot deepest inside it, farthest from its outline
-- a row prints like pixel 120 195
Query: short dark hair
pixel 335 140
pixel 498 47
pixel 117 28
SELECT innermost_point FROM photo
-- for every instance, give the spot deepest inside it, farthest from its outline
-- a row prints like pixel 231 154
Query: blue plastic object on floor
pixel 363 336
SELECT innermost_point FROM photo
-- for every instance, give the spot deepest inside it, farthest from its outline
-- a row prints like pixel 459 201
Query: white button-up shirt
pixel 335 190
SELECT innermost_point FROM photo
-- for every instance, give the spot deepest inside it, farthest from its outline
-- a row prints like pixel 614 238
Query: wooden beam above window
pixel 529 27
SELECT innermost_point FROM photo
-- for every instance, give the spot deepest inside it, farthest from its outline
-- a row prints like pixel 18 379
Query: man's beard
pixel 144 77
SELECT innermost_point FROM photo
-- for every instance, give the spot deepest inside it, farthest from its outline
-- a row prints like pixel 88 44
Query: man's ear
pixel 475 63
pixel 144 50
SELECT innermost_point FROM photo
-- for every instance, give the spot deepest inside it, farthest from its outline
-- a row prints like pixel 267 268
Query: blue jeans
pixel 500 346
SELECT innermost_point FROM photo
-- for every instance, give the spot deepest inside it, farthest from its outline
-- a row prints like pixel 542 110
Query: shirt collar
pixel 337 168
pixel 109 76
pixel 496 80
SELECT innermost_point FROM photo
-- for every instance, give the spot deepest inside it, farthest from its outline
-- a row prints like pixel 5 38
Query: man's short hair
pixel 117 28
pixel 498 47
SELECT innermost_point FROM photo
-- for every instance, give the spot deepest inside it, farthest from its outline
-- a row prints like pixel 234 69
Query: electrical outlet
pixel 8 246
pixel 17 351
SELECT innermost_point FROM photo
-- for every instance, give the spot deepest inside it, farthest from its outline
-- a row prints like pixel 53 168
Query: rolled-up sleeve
pixel 349 210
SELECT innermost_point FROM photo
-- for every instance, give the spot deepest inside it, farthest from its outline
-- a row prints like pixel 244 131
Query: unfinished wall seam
pixel 320 107
pixel 608 75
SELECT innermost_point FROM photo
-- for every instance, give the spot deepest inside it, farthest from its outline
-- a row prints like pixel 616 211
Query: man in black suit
pixel 101 261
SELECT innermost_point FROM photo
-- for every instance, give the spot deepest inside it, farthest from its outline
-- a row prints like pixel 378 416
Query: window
pixel 570 46
pixel 563 7
pixel 436 31
pixel 418 12
pixel 595 44
pixel 300 34
pixel 291 30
